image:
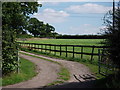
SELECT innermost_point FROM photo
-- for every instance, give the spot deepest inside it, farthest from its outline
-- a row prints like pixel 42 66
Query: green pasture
pixel 27 71
pixel 66 41
pixel 91 42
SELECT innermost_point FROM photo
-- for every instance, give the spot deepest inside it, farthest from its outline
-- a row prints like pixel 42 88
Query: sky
pixel 74 17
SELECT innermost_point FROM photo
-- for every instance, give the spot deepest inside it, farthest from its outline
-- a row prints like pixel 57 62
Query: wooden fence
pixel 105 65
pixel 72 49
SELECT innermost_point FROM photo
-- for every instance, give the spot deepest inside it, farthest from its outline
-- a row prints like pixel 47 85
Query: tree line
pixel 39 29
pixel 81 36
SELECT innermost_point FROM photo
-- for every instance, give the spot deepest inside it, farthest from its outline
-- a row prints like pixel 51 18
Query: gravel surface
pixel 47 73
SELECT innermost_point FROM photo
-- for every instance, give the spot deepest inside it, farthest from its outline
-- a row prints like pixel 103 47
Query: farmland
pixel 89 42
pixel 66 41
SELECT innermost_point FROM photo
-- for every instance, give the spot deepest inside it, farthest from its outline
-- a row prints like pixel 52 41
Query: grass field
pixel 90 42
pixel 66 41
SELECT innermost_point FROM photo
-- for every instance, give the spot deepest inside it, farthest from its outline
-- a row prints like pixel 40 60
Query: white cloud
pixel 76 0
pixel 88 8
pixel 51 3
pixel 51 16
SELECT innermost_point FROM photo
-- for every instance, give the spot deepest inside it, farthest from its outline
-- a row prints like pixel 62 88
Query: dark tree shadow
pixel 86 84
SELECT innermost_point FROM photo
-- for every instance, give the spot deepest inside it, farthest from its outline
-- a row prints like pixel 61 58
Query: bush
pixel 9 51
pixel 112 31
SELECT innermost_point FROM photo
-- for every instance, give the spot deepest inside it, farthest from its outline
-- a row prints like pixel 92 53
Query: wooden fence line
pixel 65 45
pixel 38 46
pixel 105 65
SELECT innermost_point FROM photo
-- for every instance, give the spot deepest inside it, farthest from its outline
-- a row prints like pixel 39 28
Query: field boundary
pixel 48 48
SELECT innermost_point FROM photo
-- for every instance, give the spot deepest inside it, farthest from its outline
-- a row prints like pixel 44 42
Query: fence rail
pixel 67 49
pixel 105 65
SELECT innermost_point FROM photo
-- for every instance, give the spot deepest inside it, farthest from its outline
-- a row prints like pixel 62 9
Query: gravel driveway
pixel 47 73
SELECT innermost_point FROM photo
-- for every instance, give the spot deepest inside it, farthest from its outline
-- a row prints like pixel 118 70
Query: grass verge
pixel 63 74
pixel 27 71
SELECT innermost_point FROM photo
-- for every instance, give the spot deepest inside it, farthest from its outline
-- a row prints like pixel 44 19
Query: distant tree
pixel 49 29
pixel 55 34
pixel 35 27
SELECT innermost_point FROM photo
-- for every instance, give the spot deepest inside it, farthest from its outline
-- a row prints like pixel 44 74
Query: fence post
pixel 73 52
pixel 18 70
pixel 81 52
pixel 66 50
pixel 33 46
pixel 54 50
pixel 50 48
pixel 41 47
pixel 60 50
pixel 92 53
pixel 45 48
pixel 99 61
pixel 38 47
pixel 29 46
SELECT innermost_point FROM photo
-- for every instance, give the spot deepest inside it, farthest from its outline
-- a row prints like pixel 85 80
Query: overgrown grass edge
pixel 27 72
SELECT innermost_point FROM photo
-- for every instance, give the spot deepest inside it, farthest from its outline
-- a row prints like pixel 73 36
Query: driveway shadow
pixel 67 85
pixel 86 84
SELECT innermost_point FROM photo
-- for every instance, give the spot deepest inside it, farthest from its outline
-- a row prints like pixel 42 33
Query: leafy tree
pixel 15 14
pixel 39 29
pixel 112 30
pixel 14 21
pixel 35 27
pixel 49 29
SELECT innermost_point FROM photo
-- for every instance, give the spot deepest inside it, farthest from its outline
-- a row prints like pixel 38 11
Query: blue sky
pixel 75 18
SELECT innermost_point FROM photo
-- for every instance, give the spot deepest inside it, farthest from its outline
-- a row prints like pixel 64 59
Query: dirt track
pixel 47 73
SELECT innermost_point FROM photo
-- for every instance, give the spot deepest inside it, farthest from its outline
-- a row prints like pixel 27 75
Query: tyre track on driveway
pixel 47 73
pixel 74 68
